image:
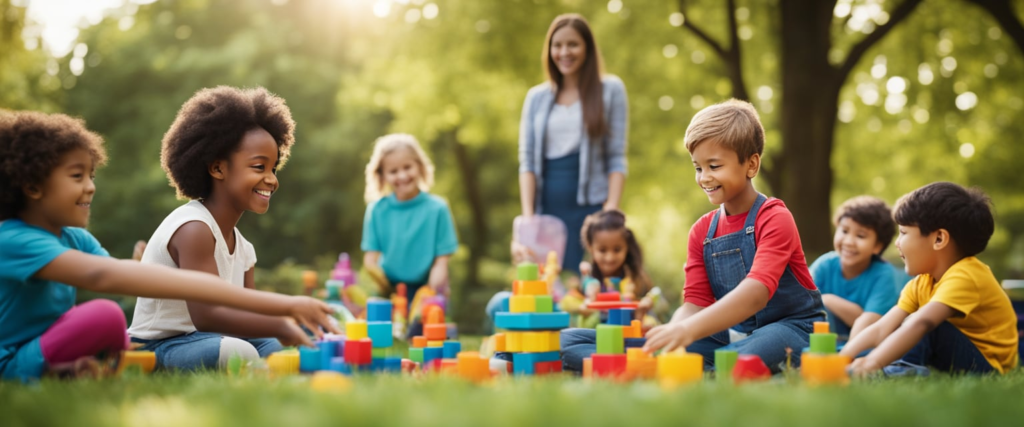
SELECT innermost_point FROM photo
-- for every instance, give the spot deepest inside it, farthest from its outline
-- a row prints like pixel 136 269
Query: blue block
pixel 614 316
pixel 393 364
pixel 377 365
pixel 522 363
pixel 309 359
pixel 338 365
pixel 635 342
pixel 328 351
pixel 532 321
pixel 431 353
pixel 452 349
pixel 380 334
pixel 504 305
pixel 378 311
pixel 627 316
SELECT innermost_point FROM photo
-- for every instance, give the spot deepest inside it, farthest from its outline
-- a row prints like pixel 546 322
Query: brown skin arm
pixel 748 298
pixel 901 340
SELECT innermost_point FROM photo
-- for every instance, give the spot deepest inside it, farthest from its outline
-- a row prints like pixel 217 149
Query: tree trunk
pixel 1005 14
pixel 477 240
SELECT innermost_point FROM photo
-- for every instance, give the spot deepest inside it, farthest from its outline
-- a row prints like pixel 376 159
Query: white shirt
pixel 564 131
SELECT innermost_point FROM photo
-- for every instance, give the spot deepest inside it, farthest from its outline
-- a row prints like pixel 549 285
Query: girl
pixel 616 255
pixel 572 137
pixel 407 232
pixel 47 170
pixel 222 152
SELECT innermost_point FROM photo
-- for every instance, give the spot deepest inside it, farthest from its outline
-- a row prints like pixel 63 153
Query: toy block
pixel 544 368
pixel 416 354
pixel 640 365
pixel 614 317
pixel 283 363
pixel 514 341
pixel 329 381
pixel 419 341
pixel 524 363
pixel 380 334
pixel 627 316
pixel 725 362
pixel 328 351
pixel 823 343
pixel 527 271
pixel 378 311
pixel 433 314
pixel 608 365
pixel 530 287
pixel 555 340
pixel 435 343
pixel 393 364
pixel 609 339
pixel 359 352
pixel 821 327
pixel 380 353
pixel 473 367
pixel 634 342
pixel 451 349
pixel 750 367
pixel 376 365
pixel 678 367
pixel 539 341
pixel 505 306
pixel 338 365
pixel 544 304
pixel 142 361
pixel 523 303
pixel 432 353
pixel 499 343
pixel 632 330
pixel 609 296
pixel 824 368
pixel 355 330
pixel 588 367
pixel 449 366
pixel 532 321
pixel 309 359
pixel 435 331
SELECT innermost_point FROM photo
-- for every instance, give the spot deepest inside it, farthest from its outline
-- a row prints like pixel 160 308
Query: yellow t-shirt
pixel 988 319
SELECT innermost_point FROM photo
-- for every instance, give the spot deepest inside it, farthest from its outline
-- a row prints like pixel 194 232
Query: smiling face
pixel 723 178
pixel 250 173
pixel 64 199
pixel 916 249
pixel 609 248
pixel 855 244
pixel 401 171
pixel 568 50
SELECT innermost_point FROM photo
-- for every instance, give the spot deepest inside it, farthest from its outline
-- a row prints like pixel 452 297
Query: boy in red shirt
pixel 747 284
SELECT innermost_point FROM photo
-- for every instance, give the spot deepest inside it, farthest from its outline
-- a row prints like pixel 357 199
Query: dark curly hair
pixel 615 220
pixel 872 213
pixel 31 145
pixel 965 213
pixel 210 126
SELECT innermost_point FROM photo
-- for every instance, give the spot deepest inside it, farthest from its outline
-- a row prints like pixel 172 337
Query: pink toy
pixel 343 270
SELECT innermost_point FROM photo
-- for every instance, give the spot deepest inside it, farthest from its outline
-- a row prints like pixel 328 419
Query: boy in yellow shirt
pixel 957 318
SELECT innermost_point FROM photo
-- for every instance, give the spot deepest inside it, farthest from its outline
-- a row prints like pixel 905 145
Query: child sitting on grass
pixel 953 315
pixel 857 285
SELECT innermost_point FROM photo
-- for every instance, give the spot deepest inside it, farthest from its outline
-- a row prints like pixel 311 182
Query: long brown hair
pixel 590 73
pixel 614 220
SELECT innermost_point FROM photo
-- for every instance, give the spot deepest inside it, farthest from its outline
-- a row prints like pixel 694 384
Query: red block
pixel 433 365
pixel 543 368
pixel 608 365
pixel 750 367
pixel 609 296
pixel 359 352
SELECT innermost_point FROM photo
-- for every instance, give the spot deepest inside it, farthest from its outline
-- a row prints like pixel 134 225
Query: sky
pixel 57 22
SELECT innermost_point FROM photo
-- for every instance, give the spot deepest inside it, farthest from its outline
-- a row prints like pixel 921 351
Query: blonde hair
pixel 387 144
pixel 734 124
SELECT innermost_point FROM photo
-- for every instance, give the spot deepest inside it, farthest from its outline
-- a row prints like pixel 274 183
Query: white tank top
pixel 165 318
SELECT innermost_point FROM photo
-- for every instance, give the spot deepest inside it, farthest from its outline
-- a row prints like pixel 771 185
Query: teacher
pixel 572 136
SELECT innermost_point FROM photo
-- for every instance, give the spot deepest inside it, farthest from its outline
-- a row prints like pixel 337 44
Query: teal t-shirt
pixel 875 290
pixel 29 306
pixel 409 235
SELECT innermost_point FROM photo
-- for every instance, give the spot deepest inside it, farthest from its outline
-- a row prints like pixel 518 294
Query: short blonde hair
pixel 387 144
pixel 734 124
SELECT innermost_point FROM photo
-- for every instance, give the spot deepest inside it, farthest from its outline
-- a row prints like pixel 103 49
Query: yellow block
pixel 522 303
pixel 532 287
pixel 538 341
pixel 329 381
pixel 499 343
pixel 824 368
pixel 435 343
pixel 556 341
pixel 355 330
pixel 144 360
pixel 679 368
pixel 514 342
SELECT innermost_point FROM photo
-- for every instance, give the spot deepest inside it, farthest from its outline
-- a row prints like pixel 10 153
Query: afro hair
pixel 210 126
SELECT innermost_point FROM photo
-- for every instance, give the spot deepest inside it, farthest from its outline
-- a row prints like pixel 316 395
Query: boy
pixel 962 320
pixel 857 285
pixel 747 285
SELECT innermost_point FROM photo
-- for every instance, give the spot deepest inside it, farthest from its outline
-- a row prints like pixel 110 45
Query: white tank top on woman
pixel 164 318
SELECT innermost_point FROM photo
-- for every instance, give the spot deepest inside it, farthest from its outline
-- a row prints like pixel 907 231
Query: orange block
pixel 588 368
pixel 472 367
pixel 633 330
pixel 435 331
pixel 144 360
pixel 824 368
pixel 449 366
pixel 821 327
pixel 530 287
pixel 433 314
pixel 499 342
pixel 419 342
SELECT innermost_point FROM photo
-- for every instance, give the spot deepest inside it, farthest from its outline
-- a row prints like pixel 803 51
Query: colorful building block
pixel 608 365
pixel 523 303
pixel 500 343
pixel 141 361
pixel 725 361
pixel 435 343
pixel 338 365
pixel 393 364
pixel 640 365
pixel 608 296
pixel 632 329
pixel 514 341
pixel 355 330
pixel 821 327
pixel 750 367
pixel 473 367
pixel 675 368
pixel 378 311
pixel 419 341
pixel 309 359
pixel 588 367
pixel 359 352
pixel 544 304
pixel 432 353
pixel 818 368
pixel 617 317
pixel 328 351
pixel 823 343
pixel 527 271
pixel 609 339
pixel 555 338
pixel 545 368
pixel 524 363
pixel 435 331
pixel 541 341
pixel 531 287
pixel 380 333
pixel 416 354
pixel 451 349
pixel 433 314
pixel 380 353
pixel 532 321
pixel 283 363
pixel 634 342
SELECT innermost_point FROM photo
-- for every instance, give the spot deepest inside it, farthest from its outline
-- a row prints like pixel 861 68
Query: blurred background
pixel 857 97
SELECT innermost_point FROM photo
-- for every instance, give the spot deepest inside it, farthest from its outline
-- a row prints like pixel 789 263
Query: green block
pixel 527 271
pixel 544 304
pixel 823 343
pixel 725 360
pixel 609 339
pixel 416 354
pixel 381 353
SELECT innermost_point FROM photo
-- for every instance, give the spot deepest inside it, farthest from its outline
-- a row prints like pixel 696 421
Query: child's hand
pixel 292 335
pixel 586 269
pixel 312 314
pixel 643 307
pixel 521 253
pixel 864 366
pixel 137 251
pixel 668 337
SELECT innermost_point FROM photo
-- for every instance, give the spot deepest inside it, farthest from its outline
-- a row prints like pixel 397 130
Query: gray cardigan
pixel 593 182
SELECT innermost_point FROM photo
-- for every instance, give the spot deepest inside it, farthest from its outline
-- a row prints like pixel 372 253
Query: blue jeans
pixel 947 349
pixel 198 350
pixel 577 344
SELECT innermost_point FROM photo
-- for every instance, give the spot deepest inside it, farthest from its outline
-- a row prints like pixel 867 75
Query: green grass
pixel 214 399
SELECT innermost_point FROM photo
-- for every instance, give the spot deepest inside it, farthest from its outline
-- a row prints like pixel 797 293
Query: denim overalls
pixel 786 321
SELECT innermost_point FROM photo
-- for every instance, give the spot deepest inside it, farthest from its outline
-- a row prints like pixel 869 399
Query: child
pixel 407 232
pixel 857 285
pixel 616 254
pixel 962 321
pixel 47 166
pixel 747 285
pixel 222 152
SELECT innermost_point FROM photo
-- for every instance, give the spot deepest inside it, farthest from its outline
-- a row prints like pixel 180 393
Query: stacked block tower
pixel 366 346
pixel 533 325
pixel 821 363
pixel 433 350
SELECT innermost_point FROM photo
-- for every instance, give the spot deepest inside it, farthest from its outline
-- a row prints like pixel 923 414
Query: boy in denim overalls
pixel 747 284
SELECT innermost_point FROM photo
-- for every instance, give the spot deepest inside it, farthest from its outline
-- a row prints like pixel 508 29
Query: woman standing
pixel 572 136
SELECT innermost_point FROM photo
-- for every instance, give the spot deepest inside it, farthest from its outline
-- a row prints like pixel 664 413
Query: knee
pixel 576 336
pixel 230 347
pixel 107 318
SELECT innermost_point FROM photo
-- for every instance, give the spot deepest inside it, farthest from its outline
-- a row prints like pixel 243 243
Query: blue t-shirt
pixel 29 306
pixel 409 235
pixel 875 289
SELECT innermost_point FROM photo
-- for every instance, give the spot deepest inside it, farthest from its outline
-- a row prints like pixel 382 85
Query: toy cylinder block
pixel 609 339
pixel 547 368
pixel 609 296
pixel 633 330
pixel 433 314
pixel 628 315
pixel 435 344
pixel 338 364
pixel 750 367
pixel 725 361
pixel 435 331
pixel 531 287
pixel 359 352
pixel 393 364
pixel 381 334
pixel 416 354
pixel 614 316
pixel 309 359
pixel 608 365
pixel 588 367
pixel 283 363
pixel 143 361
pixel 539 341
pixel 419 341
pixel 823 343
pixel 544 304
pixel 473 367
pixel 432 353
pixel 821 327
pixel 527 271
pixel 522 303
pixel 378 311
pixel 641 367
pixel 355 330
pixel 500 343
pixel 451 349
pixel 680 368
pixel 514 341
pixel 824 368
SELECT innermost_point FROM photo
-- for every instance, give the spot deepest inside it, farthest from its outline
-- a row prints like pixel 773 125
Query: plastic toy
pixel 750 367
pixel 725 361
pixel 533 325
pixel 472 367
pixel 328 381
pixel 678 367
pixel 141 361
pixel 821 364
